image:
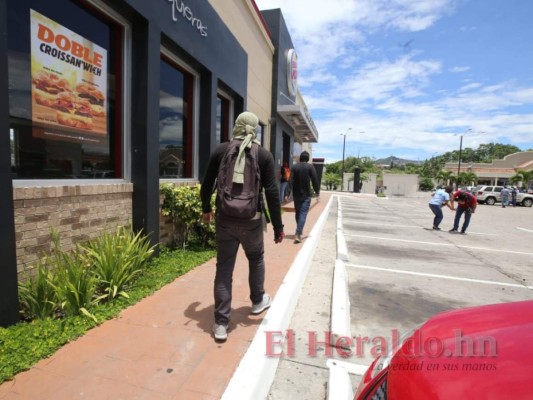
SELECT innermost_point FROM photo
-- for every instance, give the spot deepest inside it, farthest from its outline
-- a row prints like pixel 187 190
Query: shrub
pixel 72 282
pixel 426 184
pixel 37 294
pixel 23 344
pixel 117 259
pixel 184 205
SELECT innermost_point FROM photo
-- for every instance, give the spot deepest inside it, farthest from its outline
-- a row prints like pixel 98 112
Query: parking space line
pixel 441 244
pixel 454 278
pixel 524 229
pixel 392 225
pixel 412 226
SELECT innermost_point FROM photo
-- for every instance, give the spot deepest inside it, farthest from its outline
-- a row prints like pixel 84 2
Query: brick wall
pixel 78 213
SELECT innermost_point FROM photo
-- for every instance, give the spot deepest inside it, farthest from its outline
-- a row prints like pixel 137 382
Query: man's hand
pixel 278 234
pixel 207 218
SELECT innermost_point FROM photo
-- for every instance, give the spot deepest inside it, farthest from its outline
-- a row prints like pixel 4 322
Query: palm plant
pixel 37 294
pixel 467 178
pixel 444 176
pixel 117 259
pixel 522 176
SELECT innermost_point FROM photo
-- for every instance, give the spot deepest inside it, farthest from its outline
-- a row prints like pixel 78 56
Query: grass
pixel 24 344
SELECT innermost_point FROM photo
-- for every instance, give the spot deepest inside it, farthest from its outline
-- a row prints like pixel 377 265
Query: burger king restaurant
pixel 104 100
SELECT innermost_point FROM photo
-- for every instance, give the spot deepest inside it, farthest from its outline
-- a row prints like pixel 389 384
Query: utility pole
pixel 343 150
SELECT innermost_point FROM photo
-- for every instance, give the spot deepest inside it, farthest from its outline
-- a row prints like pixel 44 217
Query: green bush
pixel 37 294
pixel 117 259
pixel 76 283
pixel 184 205
pixel 25 343
pixel 70 283
pixel 426 184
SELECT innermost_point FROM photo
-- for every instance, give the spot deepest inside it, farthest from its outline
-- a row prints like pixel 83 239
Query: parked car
pixel 473 353
pixel 493 194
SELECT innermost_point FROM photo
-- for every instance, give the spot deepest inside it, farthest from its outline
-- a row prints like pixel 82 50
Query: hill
pixel 385 162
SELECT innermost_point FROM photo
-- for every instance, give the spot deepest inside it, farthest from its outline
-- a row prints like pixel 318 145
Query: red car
pixel 473 353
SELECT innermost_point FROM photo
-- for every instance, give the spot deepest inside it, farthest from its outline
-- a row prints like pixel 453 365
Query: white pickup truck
pixel 493 194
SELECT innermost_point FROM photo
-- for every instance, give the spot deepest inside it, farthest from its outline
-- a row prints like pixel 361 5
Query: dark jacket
pixel 303 175
pixel 283 168
pixel 268 181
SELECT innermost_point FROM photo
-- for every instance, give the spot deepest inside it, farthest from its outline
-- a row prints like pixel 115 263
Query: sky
pixel 408 78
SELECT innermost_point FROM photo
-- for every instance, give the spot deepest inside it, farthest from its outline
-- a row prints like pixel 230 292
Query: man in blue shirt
pixel 440 198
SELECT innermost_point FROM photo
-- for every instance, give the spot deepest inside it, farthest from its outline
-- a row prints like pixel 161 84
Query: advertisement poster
pixel 69 83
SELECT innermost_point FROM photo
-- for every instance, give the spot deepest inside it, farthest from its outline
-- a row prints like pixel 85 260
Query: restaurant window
pixel 65 83
pixel 223 121
pixel 175 121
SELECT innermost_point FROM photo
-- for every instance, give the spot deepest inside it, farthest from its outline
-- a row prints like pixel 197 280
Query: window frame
pixel 195 103
pixel 228 103
pixel 125 109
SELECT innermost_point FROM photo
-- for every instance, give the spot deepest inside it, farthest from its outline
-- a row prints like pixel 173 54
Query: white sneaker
pixel 260 307
pixel 220 332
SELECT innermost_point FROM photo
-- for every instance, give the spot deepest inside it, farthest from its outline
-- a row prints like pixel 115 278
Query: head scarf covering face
pixel 244 130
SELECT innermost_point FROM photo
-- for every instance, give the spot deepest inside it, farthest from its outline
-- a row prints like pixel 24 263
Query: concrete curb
pixel 342 249
pixel 255 374
pixel 339 384
pixel 340 307
pixel 340 299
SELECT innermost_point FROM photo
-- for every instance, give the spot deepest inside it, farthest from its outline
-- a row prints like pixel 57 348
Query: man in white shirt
pixel 440 198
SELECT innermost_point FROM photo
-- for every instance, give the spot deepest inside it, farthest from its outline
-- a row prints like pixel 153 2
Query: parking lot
pixel 400 272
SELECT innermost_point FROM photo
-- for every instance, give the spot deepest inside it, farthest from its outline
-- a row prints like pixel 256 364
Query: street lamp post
pixel 343 149
pixel 460 151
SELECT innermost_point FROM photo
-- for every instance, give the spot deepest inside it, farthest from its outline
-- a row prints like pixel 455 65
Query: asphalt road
pixel 400 272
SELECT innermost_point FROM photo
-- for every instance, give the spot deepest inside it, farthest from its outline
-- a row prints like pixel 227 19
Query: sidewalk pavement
pixel 162 347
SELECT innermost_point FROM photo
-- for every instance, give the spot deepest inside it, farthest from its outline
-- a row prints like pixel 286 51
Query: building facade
pixel 104 100
pixel 497 172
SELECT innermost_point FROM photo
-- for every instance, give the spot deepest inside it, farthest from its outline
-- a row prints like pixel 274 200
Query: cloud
pixel 459 69
pixel 403 102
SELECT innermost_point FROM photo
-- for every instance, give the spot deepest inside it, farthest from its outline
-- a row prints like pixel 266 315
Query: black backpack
pixel 234 200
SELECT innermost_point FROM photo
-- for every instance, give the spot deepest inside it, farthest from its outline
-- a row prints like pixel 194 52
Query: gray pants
pixel 229 234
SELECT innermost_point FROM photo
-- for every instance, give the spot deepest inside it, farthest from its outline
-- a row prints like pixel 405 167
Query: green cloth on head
pixel 244 130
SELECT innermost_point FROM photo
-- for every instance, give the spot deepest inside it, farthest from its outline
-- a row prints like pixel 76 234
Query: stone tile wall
pixel 78 213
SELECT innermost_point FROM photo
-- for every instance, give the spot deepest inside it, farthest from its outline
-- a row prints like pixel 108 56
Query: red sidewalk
pixel 162 347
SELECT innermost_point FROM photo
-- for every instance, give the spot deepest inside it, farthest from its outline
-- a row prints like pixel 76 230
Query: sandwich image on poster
pixel 69 81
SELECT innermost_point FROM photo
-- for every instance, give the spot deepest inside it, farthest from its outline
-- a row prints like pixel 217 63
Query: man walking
pixel 505 196
pixel 466 204
pixel 302 176
pixel 232 229
pixel 440 199
pixel 284 181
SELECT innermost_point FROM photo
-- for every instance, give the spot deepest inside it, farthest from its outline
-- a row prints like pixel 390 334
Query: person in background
pixel 232 233
pixel 505 196
pixel 440 198
pixel 303 175
pixel 466 204
pixel 514 193
pixel 285 178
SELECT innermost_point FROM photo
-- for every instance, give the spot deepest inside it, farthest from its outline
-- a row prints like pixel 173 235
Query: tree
pixel 444 176
pixel 522 176
pixel 516 179
pixel 332 180
pixel 467 178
